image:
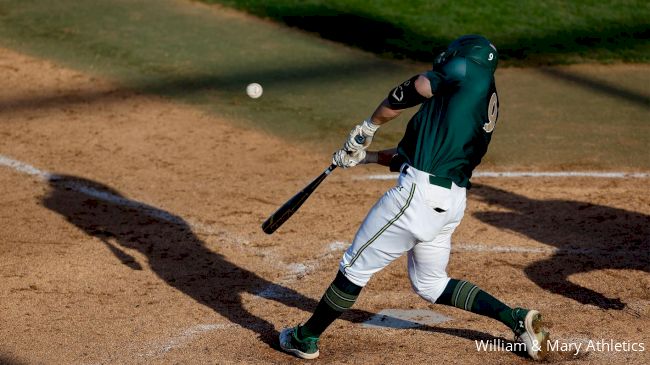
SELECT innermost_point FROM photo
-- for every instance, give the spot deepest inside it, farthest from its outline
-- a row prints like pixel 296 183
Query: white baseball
pixel 254 90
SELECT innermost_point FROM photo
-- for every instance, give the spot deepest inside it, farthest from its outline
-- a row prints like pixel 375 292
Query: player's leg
pixel 427 261
pixel 382 238
pixel 427 264
pixel 302 340
pixel 526 324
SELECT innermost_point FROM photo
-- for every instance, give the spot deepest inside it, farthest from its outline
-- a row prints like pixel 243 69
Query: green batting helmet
pixel 475 48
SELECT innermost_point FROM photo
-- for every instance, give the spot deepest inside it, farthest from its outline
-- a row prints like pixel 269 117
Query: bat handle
pixel 329 169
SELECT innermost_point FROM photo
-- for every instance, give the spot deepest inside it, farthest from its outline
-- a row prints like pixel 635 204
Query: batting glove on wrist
pixel 366 129
pixel 345 159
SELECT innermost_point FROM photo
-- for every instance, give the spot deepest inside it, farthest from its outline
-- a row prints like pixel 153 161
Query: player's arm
pixel 388 157
pixel 410 93
pixel 382 157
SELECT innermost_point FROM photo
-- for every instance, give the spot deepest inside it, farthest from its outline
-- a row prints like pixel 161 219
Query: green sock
pixel 338 298
pixel 465 295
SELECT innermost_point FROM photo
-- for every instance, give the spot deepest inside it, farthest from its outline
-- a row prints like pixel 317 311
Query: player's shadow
pixel 172 250
pixel 9 360
pixel 587 237
pixel 176 255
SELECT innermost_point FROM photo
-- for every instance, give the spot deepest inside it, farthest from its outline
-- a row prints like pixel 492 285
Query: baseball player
pixel 443 143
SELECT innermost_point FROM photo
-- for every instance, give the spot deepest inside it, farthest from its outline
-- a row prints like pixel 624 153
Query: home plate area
pixel 405 318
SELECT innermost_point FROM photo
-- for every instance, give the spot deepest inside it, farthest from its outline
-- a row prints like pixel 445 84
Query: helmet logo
pixel 490 56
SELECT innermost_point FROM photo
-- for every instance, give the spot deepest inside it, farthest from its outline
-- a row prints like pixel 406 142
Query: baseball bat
pixel 291 206
pixel 285 212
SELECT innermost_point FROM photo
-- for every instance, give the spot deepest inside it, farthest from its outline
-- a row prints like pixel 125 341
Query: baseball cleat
pixel 305 349
pixel 529 331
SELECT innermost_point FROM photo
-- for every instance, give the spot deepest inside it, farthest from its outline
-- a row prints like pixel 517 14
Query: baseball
pixel 254 90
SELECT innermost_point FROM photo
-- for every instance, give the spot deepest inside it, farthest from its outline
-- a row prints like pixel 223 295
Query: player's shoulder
pixel 455 68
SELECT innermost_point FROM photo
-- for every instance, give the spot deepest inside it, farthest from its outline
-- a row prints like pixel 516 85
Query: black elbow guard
pixel 405 95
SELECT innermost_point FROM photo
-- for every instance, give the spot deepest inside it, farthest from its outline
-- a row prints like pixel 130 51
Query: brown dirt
pixel 89 281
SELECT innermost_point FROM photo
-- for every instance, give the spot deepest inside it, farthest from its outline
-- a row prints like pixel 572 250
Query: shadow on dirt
pixel 173 251
pixel 588 237
pixel 8 360
pixel 599 86
pixel 176 255
pixel 202 84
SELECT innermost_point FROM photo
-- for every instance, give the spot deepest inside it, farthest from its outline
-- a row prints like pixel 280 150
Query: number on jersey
pixel 492 113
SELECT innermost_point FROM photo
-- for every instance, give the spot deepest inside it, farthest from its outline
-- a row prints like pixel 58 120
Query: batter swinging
pixel 443 143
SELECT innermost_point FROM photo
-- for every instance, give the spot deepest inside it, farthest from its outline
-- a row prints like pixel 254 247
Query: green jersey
pixel 450 133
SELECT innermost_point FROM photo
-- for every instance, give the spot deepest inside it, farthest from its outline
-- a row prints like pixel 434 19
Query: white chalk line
pixel 510 174
pixel 478 247
pixel 162 347
pixel 24 168
pixel 300 270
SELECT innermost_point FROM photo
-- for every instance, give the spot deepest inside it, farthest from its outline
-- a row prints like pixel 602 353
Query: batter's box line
pixel 534 174
pixel 297 271
pixel 479 247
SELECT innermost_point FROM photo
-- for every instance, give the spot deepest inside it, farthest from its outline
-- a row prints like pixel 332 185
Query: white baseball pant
pixel 417 217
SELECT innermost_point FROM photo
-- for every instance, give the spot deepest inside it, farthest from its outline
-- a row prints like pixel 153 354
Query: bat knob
pixel 360 139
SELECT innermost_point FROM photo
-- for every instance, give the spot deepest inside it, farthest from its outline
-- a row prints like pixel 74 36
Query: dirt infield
pixel 137 240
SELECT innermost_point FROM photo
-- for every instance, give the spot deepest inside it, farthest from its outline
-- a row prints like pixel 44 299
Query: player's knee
pixel 343 283
pixel 355 274
pixel 358 278
pixel 429 288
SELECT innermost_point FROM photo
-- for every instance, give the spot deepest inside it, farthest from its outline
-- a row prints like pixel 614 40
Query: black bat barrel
pixel 291 206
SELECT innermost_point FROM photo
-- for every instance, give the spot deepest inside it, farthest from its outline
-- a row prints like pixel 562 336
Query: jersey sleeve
pixel 449 73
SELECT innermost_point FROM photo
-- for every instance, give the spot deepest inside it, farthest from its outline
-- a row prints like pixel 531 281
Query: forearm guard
pixel 405 95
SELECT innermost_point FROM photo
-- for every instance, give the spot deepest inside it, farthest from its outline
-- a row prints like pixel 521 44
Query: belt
pixel 443 182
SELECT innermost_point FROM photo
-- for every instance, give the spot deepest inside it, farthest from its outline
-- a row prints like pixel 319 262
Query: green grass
pixel 316 90
pixel 313 89
pixel 525 31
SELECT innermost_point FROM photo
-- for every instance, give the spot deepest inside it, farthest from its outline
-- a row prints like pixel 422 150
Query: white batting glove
pixel 345 159
pixel 366 129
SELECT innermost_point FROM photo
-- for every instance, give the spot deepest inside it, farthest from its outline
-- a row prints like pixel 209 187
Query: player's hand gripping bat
pixel 291 206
